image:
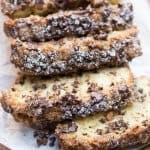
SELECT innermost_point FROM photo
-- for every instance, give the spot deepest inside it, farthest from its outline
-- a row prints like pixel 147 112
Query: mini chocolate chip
pixel 118 125
pixel 72 127
pixel 140 90
pixel 102 120
pixel 84 134
pixel 99 131
pixel 112 84
pixel 52 141
pixel 13 89
pixel 42 141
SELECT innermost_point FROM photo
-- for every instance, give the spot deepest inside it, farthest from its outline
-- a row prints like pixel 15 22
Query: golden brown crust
pixel 29 103
pixel 71 55
pixel 132 137
pixel 24 8
pixel 96 22
pixel 125 129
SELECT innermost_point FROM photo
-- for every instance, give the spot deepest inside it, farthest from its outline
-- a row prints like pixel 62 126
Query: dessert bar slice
pixel 112 130
pixel 71 55
pixel 43 102
pixel 96 22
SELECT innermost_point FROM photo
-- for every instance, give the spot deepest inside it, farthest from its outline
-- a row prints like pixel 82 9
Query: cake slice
pixel 24 8
pixel 112 130
pixel 71 55
pixel 41 102
pixel 96 22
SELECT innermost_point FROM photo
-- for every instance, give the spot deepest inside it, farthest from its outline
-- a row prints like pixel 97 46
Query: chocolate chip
pixel 55 87
pixel 140 90
pixel 118 125
pixel 52 141
pixel 43 137
pixel 99 131
pixel 102 120
pixel 13 89
pixel 72 127
pixel 93 87
pixel 42 141
pixel 37 86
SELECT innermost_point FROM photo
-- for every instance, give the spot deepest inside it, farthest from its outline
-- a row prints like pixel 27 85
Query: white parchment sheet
pixel 16 135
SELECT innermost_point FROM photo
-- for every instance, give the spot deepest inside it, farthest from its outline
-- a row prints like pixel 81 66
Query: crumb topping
pixel 35 61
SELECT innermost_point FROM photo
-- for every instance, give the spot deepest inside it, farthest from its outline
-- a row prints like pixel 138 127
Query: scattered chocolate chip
pixel 43 137
pixel 37 86
pixel 93 88
pixel 21 80
pixel 52 141
pixel 72 127
pixel 75 84
pixel 140 90
pixel 118 125
pixel 13 89
pixel 55 87
pixel 84 134
pixel 74 91
pixel 99 131
pixel 113 73
pixel 112 84
pixel 69 127
pixel 102 120
pixel 42 141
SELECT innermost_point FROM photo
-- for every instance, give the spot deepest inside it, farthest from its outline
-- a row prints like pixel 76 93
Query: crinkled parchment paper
pixel 16 135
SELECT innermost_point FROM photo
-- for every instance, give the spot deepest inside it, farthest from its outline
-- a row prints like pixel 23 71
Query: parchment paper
pixel 17 136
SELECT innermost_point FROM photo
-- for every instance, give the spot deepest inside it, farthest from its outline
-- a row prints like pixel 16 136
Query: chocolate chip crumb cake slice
pixel 129 127
pixel 71 55
pixel 23 8
pixel 41 102
pixel 97 22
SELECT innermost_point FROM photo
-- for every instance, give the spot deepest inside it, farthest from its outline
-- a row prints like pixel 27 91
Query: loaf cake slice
pixel 71 55
pixel 41 102
pixel 96 22
pixel 23 8
pixel 112 130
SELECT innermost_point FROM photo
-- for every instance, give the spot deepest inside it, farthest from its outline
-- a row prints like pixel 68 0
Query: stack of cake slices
pixel 74 74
